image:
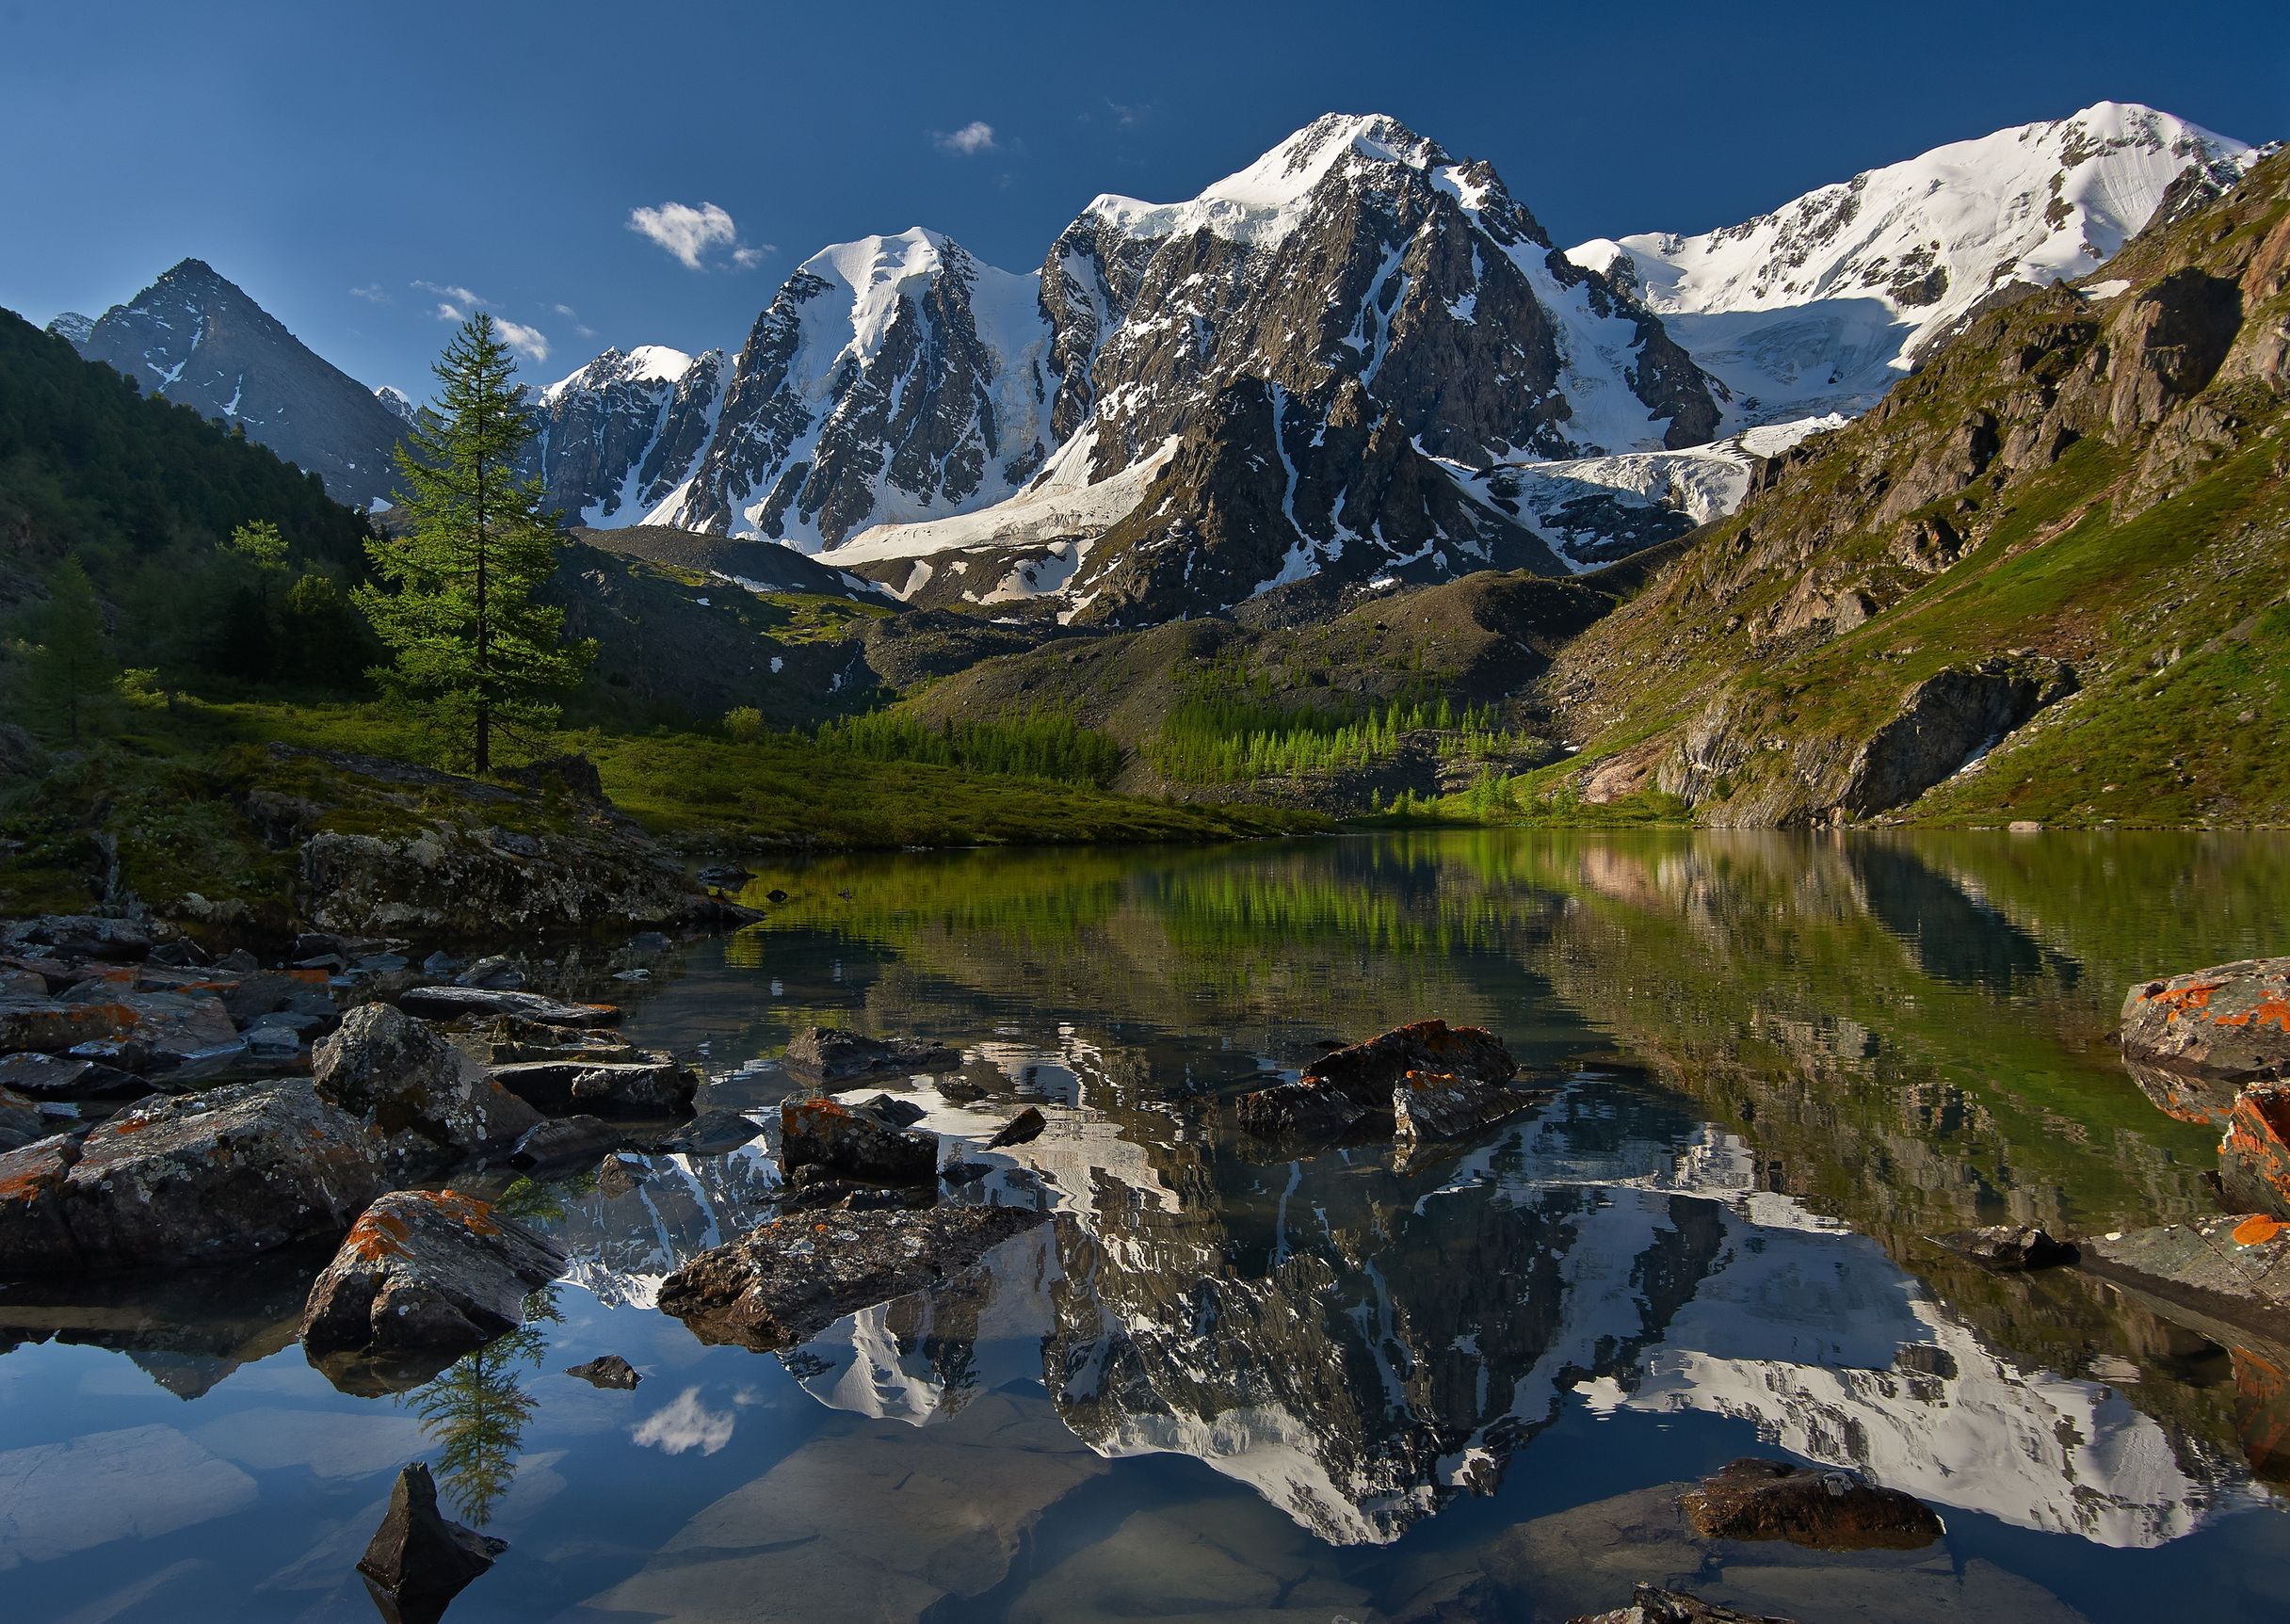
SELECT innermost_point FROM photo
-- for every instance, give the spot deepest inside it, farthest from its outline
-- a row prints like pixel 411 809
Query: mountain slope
pixel 620 437
pixel 200 341
pixel 2043 580
pixel 1822 304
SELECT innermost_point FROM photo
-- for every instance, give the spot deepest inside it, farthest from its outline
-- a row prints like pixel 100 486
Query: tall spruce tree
pixel 71 664
pixel 459 615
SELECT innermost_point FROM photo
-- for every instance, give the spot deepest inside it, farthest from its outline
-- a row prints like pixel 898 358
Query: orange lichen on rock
pixel 2256 1229
pixel 378 1235
pixel 2272 1008
pixel 467 1210
pixel 2181 1001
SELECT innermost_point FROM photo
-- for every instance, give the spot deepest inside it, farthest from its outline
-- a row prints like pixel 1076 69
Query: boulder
pixel 2006 1247
pixel 432 1100
pixel 1023 1129
pixel 203 1178
pixel 1428 1105
pixel 712 1132
pixel 850 1144
pixel 831 1054
pixel 1820 1508
pixel 429 1271
pixel 497 972
pixel 155 1028
pixel 20 1121
pixel 898 1113
pixel 67 1077
pixel 610 1370
pixel 44 1026
pixel 1651 1604
pixel 787 1281
pixel 2254 1157
pixel 565 1139
pixel 2230 1023
pixel 652 1085
pixel 445 1003
pixel 418 1562
pixel 80 935
pixel 2234 1269
pixel 1357 1086
pixel 619 1174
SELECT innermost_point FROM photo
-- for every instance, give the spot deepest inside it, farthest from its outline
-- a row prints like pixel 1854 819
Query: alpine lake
pixel 1466 1384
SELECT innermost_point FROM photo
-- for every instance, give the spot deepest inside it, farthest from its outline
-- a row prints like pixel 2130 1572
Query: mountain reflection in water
pixel 1461 1386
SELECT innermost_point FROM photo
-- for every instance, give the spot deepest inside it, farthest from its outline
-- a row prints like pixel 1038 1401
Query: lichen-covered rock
pixel 831 1054
pixel 1427 1105
pixel 38 1025
pixel 445 1003
pixel 80 936
pixel 1651 1604
pixel 433 1103
pixel 425 1271
pixel 21 1122
pixel 1821 1507
pixel 2228 1023
pixel 418 1562
pixel 2234 1268
pixel 205 1178
pixel 792 1278
pixel 844 1143
pixel 2254 1157
pixel 2006 1247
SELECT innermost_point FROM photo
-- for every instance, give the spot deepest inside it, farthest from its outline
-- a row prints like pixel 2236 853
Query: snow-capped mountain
pixel 396 402
pixel 893 379
pixel 72 326
pixel 200 341
pixel 620 437
pixel 1821 304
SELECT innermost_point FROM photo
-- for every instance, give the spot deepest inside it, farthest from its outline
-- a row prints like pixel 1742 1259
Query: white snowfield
pixel 1821 304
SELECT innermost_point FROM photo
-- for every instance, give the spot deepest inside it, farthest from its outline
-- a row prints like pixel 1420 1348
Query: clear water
pixel 1341 1388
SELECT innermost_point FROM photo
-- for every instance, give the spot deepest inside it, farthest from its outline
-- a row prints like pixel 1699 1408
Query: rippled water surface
pixel 1463 1387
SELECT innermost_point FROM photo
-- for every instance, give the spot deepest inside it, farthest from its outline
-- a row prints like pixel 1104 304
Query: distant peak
pixel 72 326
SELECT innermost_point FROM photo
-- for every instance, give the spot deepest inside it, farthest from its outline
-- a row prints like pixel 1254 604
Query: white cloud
pixel 684 1424
pixel 372 292
pixel 453 292
pixel 748 255
pixel 574 316
pixel 686 232
pixel 973 137
pixel 528 342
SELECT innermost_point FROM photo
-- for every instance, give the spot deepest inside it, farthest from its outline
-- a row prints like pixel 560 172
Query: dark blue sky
pixel 309 147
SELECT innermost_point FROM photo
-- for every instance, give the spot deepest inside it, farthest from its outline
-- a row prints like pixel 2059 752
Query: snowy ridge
pixel 1820 304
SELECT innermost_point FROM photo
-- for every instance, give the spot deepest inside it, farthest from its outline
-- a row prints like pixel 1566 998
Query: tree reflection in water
pixel 476 1412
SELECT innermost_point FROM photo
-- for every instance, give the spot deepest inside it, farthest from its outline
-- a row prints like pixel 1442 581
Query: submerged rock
pixel 206 1178
pixel 1023 1129
pixel 417 1560
pixel 565 1139
pixel 850 1144
pixel 898 1113
pixel 1651 1604
pixel 2234 1268
pixel 610 1370
pixel 1823 1508
pixel 2230 1022
pixel 832 1054
pixel 2008 1247
pixel 652 1084
pixel 2254 1157
pixel 425 1095
pixel 444 1002
pixel 789 1280
pixel 1359 1086
pixel 432 1272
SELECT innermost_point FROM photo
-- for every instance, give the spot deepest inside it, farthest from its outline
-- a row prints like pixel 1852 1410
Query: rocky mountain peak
pixel 72 326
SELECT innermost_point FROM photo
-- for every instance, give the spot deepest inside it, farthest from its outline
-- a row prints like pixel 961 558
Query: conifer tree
pixel 72 663
pixel 459 615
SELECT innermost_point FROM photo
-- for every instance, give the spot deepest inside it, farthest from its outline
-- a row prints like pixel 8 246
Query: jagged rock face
pixel 620 437
pixel 1264 491
pixel 1358 251
pixel 892 378
pixel 201 343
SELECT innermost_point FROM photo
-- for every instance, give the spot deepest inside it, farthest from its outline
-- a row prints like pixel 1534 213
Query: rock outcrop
pixel 432 1102
pixel 204 1179
pixel 790 1278
pixel 823 1140
pixel 424 1273
pixel 2228 1023
pixel 418 1561
pixel 2234 1269
pixel 1454 1079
